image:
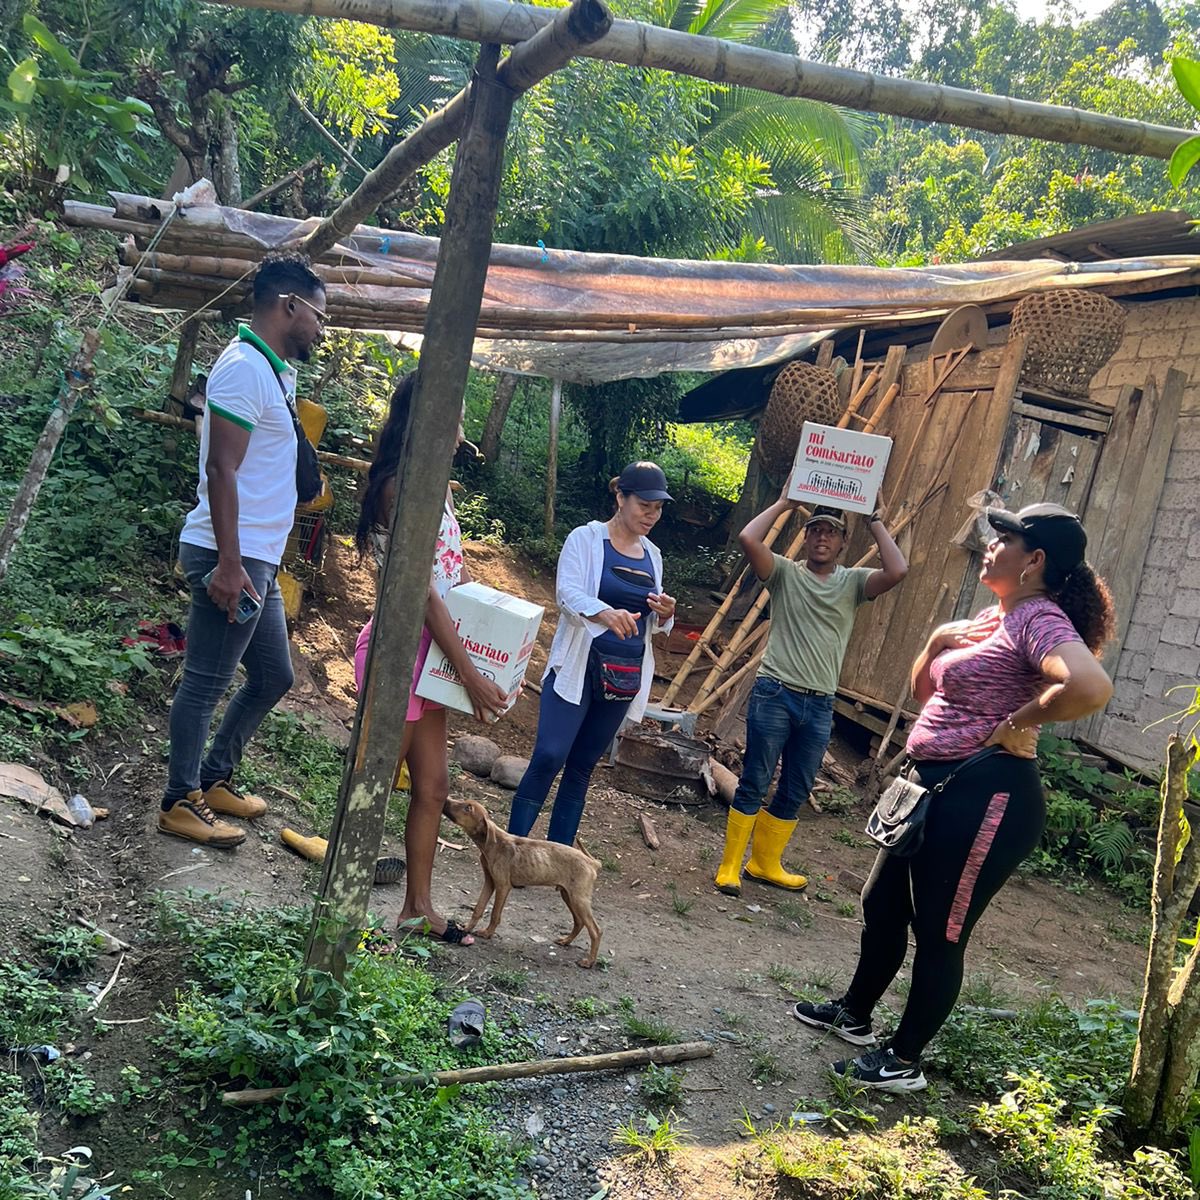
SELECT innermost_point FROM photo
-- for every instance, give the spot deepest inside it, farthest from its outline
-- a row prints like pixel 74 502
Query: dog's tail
pixel 581 847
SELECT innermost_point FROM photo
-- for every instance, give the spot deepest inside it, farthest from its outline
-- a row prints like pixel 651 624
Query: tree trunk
pixel 1166 1058
pixel 227 171
pixel 489 444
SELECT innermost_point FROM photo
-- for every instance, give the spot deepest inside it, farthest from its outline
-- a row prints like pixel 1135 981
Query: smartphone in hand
pixel 247 605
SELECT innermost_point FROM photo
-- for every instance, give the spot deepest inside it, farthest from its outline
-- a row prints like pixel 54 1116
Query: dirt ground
pixel 689 957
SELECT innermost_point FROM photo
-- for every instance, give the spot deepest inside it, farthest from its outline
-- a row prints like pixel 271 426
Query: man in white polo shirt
pixel 230 549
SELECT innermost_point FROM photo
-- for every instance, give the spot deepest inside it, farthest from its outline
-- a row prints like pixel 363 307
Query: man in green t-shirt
pixel 791 707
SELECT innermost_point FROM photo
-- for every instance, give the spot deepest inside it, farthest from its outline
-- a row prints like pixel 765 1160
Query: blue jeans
pixel 788 724
pixel 570 738
pixel 214 649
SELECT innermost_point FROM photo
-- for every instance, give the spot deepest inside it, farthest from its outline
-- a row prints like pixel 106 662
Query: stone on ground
pixel 476 754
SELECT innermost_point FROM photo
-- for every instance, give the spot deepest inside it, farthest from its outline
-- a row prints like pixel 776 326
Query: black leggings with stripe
pixel 976 834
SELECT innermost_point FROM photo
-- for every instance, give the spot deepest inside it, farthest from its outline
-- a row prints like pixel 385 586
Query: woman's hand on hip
pixel 487 697
pixel 1021 743
pixel 662 605
pixel 619 621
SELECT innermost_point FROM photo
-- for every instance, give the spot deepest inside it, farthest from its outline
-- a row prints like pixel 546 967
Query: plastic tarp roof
pixel 590 318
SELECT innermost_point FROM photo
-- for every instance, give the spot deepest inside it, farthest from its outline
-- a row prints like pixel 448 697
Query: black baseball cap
pixel 1048 527
pixel 644 480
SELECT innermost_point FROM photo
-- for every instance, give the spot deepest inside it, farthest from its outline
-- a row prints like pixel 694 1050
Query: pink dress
pixel 447 572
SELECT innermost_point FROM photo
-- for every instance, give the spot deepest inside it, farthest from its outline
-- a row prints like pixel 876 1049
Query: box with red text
pixel 497 631
pixel 839 467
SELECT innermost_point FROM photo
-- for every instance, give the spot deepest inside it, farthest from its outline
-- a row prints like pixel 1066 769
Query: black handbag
pixel 897 824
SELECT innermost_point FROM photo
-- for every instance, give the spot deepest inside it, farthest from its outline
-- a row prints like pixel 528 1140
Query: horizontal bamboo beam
pixel 640 45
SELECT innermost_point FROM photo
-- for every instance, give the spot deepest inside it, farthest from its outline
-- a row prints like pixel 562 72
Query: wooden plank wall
pixel 1125 496
pixel 960 446
pixel 1039 461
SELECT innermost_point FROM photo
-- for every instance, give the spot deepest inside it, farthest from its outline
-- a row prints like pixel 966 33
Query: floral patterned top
pixel 447 556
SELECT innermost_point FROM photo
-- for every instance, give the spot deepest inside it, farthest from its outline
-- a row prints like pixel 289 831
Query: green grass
pixel 252 1018
pixel 293 754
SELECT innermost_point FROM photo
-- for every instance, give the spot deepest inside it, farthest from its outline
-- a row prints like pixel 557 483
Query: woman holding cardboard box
pixel 423 746
pixel 601 663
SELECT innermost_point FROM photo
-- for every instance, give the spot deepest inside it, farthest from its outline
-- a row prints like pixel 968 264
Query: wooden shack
pixel 1126 456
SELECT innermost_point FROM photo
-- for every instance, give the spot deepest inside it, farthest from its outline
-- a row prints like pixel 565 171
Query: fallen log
pixel 615 1060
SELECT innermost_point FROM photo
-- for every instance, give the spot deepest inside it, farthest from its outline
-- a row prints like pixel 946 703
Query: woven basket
pixel 801 392
pixel 1071 335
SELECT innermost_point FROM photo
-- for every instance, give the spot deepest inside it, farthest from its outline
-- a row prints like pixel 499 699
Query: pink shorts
pixel 417 705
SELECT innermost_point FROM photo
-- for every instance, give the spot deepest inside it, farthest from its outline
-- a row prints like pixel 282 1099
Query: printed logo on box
pixel 840 467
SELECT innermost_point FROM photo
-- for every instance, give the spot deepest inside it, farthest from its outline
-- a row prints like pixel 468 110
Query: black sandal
pixel 454 934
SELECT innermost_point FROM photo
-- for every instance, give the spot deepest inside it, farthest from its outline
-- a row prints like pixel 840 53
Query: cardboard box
pixel 498 632
pixel 839 467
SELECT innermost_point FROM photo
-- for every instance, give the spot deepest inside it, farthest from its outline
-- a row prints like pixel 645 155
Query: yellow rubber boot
pixel 738 828
pixel 771 836
pixel 312 848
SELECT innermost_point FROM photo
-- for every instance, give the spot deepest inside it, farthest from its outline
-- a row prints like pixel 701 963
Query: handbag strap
pixel 977 757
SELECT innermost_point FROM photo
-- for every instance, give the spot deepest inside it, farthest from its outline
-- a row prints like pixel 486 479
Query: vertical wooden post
pixel 454 302
pixel 185 356
pixel 552 455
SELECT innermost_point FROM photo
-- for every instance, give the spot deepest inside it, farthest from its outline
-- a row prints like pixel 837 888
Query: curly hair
pixel 284 271
pixel 388 450
pixel 1086 600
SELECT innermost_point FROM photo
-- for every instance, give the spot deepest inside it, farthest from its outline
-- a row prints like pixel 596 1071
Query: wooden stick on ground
pixel 615 1060
pixel 649 833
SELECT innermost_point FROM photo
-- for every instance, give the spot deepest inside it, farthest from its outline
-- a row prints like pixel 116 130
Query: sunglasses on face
pixel 319 313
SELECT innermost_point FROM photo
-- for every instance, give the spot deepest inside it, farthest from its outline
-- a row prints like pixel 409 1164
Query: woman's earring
pixel 1023 574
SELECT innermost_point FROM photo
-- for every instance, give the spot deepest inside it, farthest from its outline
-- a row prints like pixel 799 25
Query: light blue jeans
pixel 782 723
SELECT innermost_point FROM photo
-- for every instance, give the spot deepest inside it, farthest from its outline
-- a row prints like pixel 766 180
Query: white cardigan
pixel 580 566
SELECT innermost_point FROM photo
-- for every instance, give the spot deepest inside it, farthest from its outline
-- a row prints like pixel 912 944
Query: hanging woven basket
pixel 801 392
pixel 1071 335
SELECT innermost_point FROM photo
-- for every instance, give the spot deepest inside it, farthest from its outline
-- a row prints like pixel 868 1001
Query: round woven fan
pixel 1070 335
pixel 801 392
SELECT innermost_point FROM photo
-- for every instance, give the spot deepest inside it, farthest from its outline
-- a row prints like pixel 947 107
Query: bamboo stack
pixel 204 256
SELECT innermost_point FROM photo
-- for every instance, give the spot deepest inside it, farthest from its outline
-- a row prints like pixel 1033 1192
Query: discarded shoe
pixel 193 820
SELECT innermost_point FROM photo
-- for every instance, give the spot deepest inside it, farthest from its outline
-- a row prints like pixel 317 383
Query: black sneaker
pixel 834 1018
pixel 881 1069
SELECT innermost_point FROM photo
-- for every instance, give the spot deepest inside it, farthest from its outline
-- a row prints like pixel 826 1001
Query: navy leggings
pixel 977 832
pixel 570 738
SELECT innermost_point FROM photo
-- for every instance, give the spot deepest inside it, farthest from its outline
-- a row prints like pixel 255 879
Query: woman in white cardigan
pixel 601 664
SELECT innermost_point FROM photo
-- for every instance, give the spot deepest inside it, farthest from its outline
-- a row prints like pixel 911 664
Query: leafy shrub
pixel 1063 1158
pixel 18 1126
pixel 253 1017
pixel 31 1008
pixel 71 1090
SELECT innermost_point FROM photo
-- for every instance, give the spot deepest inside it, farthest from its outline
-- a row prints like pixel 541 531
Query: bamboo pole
pixel 272 188
pixel 76 377
pixel 552 458
pixel 640 45
pixel 328 137
pixel 614 1060
pixel 547 49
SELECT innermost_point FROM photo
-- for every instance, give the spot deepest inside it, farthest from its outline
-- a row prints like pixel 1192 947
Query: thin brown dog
pixel 510 862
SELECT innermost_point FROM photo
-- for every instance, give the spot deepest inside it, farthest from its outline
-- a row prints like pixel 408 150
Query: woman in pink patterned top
pixel 985 687
pixel 423 746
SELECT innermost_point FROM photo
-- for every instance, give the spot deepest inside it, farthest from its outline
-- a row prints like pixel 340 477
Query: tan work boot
pixel 192 820
pixel 224 798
